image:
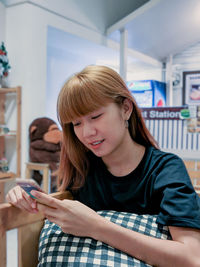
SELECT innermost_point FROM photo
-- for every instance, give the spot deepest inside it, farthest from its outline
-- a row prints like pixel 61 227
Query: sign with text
pixel 162 113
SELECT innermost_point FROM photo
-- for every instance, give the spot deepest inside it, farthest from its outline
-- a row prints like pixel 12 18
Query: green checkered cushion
pixel 58 249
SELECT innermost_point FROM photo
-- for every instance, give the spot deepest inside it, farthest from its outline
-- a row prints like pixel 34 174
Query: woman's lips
pixel 96 144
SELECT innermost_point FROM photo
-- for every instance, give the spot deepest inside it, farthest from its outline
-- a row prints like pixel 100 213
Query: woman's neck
pixel 126 159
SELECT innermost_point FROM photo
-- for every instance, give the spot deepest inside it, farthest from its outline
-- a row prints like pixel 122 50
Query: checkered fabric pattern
pixel 60 250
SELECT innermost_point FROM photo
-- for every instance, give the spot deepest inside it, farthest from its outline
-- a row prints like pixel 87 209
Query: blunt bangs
pixel 79 98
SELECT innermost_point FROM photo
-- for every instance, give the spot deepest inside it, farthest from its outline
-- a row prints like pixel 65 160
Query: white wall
pixel 2 22
pixel 67 54
pixel 27 57
pixel 144 73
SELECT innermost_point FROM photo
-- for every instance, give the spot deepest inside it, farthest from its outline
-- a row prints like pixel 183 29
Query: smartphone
pixel 28 185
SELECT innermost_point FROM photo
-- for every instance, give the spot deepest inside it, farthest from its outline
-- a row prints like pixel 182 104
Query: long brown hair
pixel 83 93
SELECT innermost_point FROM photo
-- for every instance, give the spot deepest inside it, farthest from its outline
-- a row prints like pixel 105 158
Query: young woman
pixel 110 161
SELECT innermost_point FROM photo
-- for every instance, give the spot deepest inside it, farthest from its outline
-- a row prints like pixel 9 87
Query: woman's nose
pixel 88 130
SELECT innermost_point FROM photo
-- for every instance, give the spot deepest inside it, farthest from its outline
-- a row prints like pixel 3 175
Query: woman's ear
pixel 127 107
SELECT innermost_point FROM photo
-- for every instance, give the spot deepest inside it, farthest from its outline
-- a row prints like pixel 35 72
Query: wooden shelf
pixel 14 133
pixel 7 175
pixel 8 90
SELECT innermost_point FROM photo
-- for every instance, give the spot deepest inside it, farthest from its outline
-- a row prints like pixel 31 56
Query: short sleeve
pixel 180 205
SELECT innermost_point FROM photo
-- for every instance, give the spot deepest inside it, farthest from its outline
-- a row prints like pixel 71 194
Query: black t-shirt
pixel 159 185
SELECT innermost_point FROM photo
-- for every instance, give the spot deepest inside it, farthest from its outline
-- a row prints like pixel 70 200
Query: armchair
pixel 29 227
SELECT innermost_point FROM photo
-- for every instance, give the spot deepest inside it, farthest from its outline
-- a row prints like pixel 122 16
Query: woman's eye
pixel 95 117
pixel 76 124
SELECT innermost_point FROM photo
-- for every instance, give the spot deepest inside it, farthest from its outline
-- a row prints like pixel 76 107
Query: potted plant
pixel 4 66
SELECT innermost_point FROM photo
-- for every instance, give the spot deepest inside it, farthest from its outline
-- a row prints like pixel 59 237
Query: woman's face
pixel 104 130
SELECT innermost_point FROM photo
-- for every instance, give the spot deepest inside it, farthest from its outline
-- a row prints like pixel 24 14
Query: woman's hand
pixel 20 199
pixel 72 216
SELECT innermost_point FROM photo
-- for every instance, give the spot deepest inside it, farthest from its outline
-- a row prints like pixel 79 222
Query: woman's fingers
pixel 14 196
pixel 30 200
pixel 19 198
pixel 30 203
pixel 45 199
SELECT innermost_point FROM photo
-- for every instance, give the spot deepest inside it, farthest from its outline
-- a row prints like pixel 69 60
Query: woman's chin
pixel 99 153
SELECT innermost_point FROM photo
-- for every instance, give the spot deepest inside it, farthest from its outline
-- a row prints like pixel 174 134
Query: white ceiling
pixel 95 14
pixel 167 27
pixel 156 28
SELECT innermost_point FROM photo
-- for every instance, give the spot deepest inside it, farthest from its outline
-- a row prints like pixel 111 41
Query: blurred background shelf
pixel 10 142
pixel 4 104
pixel 7 175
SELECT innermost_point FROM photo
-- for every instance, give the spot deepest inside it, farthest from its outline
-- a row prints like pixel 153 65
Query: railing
pixel 170 131
pixel 172 134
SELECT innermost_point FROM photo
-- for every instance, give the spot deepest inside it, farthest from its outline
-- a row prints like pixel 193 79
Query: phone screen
pixel 28 185
pixel 28 188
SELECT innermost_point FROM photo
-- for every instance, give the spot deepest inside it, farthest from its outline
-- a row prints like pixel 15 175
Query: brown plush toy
pixel 45 138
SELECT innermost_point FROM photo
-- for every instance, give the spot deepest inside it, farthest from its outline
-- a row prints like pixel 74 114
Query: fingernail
pixel 33 205
pixel 33 192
